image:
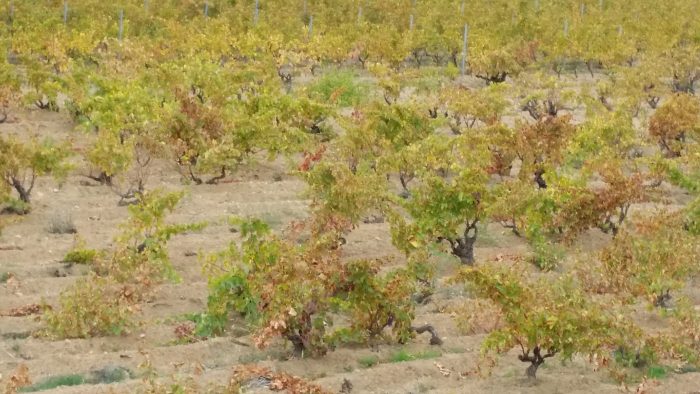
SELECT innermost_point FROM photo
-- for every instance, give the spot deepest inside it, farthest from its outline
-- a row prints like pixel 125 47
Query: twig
pixel 434 338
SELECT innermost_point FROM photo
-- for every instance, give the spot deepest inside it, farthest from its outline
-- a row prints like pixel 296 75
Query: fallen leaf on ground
pixel 26 310
pixel 444 371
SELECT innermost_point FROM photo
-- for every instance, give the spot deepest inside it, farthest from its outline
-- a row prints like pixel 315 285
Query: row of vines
pixel 572 114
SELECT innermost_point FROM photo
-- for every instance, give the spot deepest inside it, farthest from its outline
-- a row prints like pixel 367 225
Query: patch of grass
pixel 341 88
pixel 179 318
pixel 424 388
pixel 657 372
pixel 428 354
pixel 5 276
pixel 107 375
pixel 546 255
pixel 81 256
pixel 54 382
pixel 16 335
pixel 61 225
pixel 110 374
pixel 16 207
pixel 455 350
pixel 403 355
pixel 687 368
pixel 368 361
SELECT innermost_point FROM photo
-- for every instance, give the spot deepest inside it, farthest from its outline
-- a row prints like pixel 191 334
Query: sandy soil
pixel 33 255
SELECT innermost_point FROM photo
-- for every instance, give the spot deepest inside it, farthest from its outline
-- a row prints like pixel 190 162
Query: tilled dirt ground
pixel 32 255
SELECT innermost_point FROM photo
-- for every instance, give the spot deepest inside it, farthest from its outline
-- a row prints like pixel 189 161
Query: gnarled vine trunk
pixel 499 77
pixel 434 337
pixel 22 191
pixel 463 247
pixel 541 183
pixel 535 360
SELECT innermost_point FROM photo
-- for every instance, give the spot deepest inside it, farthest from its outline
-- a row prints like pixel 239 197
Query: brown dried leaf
pixel 444 371
pixel 278 381
pixel 185 331
pixel 26 310
pixel 20 378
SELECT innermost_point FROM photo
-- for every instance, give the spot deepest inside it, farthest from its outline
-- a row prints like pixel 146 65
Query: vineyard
pixel 350 196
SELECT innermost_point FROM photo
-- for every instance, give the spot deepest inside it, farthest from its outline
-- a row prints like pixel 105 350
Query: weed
pixel 403 355
pixel 61 225
pixel 687 368
pixel 16 207
pixel 110 374
pixel 368 361
pixel 54 382
pixel 340 87
pixel 184 332
pixel 16 335
pixel 455 350
pixel 5 276
pixel 657 372
pixel 424 388
pixel 81 256
pixel 546 255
